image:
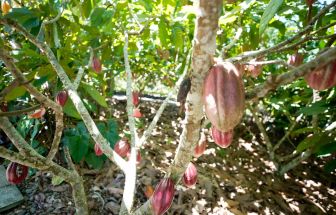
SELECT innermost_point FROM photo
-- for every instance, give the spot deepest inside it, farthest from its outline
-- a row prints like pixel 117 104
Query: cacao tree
pixel 62 61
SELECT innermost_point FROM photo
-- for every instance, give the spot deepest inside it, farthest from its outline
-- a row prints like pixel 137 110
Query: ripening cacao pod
pixel 190 175
pixel 295 60
pixel 96 64
pixel 222 139
pixel 223 96
pixel 122 147
pixel 138 157
pixel 16 173
pixel 201 146
pixel 5 7
pixel 4 107
pixel 62 97
pixel 322 78
pixel 137 113
pixel 98 150
pixel 163 196
pixel 37 113
pixel 254 70
pixel 135 98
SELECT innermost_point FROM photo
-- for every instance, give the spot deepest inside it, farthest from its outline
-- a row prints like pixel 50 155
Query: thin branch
pixel 47 22
pixel 157 116
pixel 9 62
pixel 20 158
pixel 204 49
pixel 89 123
pixel 8 89
pixel 278 144
pixel 264 133
pixel 24 148
pixel 31 158
pixel 233 42
pixel 286 78
pixel 130 178
pixel 325 37
pixel 19 112
pixel 307 29
pixel 68 157
pixel 78 78
pixel 282 62
pixel 294 162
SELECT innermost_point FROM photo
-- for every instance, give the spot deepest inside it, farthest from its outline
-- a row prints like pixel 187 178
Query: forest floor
pixel 237 180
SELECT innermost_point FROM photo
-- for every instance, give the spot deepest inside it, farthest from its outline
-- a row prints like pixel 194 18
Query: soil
pixel 238 180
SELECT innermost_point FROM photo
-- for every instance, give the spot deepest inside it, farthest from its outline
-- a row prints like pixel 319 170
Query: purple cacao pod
pixel 16 173
pixel 222 139
pixel 322 78
pixel 163 196
pixel 190 175
pixel 98 150
pixel 62 98
pixel 122 147
pixel 223 96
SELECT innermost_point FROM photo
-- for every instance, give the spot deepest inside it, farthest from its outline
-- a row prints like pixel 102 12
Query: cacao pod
pixel 135 98
pixel 223 96
pixel 137 113
pixel 62 97
pixel 190 175
pixel 222 139
pixel 98 150
pixel 322 78
pixel 138 158
pixel 96 65
pixel 254 70
pixel 295 60
pixel 163 196
pixel 4 107
pixel 37 113
pixel 5 7
pixel 201 146
pixel 122 147
pixel 16 173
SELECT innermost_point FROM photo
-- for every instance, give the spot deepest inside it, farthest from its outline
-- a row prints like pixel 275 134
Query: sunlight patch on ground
pixel 246 145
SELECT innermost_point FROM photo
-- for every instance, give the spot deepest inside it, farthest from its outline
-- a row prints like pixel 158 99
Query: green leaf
pixel 56 180
pixel 268 14
pixel 78 146
pixel 24 125
pixel 100 17
pixel 82 130
pixel 86 8
pixel 94 94
pixel 177 37
pixel 163 32
pixel 40 81
pixel 315 141
pixel 95 161
pixel 70 110
pixel 20 14
pixel 147 4
pixel 302 131
pixel 279 25
pixel 326 149
pixel 315 108
pixel 330 166
pixel 15 93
